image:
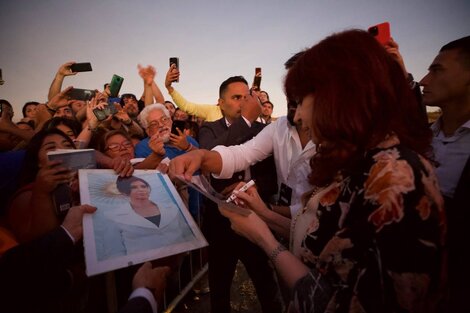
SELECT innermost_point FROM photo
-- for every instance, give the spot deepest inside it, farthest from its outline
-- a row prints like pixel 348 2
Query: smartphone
pixel 179 124
pixel 115 85
pixel 81 94
pixel 381 32
pixel 175 60
pixel 108 110
pixel 1 78
pixel 1 108
pixel 81 67
pixel 257 79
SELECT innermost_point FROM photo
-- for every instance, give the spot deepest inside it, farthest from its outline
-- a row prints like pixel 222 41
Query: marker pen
pixel 243 188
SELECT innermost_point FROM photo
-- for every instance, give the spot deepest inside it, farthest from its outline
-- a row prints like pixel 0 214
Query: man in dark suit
pixel 238 125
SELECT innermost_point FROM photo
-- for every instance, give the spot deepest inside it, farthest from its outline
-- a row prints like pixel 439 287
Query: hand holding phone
pixel 81 67
pixel 177 124
pixel 381 32
pixel 257 79
pixel 175 60
pixel 102 114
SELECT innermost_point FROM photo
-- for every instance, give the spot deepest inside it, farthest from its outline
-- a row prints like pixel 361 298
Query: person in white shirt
pixel 292 148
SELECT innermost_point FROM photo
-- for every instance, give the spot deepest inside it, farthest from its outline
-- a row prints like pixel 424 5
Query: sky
pixel 213 40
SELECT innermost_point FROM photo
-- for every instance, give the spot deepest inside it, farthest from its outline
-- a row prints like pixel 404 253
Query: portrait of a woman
pixel 141 223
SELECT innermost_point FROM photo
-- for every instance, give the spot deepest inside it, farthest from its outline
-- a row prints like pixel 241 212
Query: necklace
pixel 315 191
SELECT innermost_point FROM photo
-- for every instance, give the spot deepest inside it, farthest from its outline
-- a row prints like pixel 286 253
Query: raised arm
pixel 47 111
pixel 188 163
pixel 209 112
pixel 56 86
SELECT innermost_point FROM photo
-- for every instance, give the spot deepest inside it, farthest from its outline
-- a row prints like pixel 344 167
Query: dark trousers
pixel 225 249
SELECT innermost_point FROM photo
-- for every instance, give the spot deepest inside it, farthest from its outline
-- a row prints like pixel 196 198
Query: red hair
pixel 361 96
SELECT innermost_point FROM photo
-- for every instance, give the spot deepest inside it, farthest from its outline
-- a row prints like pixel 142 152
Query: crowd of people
pixel 360 204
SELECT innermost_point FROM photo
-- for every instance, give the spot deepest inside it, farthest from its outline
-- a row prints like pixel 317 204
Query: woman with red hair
pixel 370 237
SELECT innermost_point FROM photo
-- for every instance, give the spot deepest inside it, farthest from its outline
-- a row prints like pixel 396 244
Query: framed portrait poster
pixel 139 218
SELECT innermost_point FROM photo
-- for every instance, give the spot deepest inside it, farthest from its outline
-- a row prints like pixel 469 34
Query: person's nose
pixel 424 81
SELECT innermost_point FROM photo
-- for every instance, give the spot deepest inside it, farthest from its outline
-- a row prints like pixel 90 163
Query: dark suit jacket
pixel 216 133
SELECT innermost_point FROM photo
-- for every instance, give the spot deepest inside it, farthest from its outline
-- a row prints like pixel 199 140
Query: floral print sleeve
pixel 375 238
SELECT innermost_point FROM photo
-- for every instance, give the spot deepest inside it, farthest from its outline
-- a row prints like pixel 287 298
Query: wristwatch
pixel 51 110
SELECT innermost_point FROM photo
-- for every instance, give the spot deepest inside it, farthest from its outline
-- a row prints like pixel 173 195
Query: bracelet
pixel 273 255
pixel 188 148
pixel 128 124
pixel 50 109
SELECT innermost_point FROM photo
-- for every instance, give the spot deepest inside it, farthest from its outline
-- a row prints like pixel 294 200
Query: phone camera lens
pixel 374 31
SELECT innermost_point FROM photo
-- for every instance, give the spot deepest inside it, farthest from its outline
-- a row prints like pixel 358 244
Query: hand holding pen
pixel 244 188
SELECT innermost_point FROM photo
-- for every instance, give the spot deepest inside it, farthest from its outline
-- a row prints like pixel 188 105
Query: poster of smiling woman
pixel 139 218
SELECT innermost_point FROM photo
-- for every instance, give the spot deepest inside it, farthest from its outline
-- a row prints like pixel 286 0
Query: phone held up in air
pixel 176 61
pixel 81 67
pixel 257 79
pixel 102 114
pixel 1 78
pixel 115 85
pixel 81 94
pixel 381 32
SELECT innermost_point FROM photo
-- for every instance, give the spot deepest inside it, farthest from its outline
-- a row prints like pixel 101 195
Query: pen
pixel 243 188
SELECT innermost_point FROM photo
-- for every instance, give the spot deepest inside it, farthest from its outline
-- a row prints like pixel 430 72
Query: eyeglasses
pixel 117 146
pixel 162 121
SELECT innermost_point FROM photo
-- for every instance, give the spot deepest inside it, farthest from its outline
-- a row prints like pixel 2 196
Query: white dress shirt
pixel 281 139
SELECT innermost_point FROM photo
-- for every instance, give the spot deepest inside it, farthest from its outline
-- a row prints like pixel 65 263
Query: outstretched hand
pixel 186 164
